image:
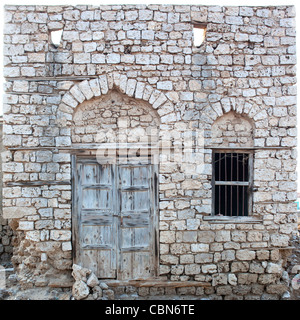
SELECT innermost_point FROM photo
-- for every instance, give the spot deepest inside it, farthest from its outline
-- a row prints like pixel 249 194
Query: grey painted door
pixel 115 218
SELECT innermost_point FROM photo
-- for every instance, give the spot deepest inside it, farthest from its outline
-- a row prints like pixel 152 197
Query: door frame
pixel 154 207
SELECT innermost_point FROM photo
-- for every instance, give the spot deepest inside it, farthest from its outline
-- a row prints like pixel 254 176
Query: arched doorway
pixel 115 191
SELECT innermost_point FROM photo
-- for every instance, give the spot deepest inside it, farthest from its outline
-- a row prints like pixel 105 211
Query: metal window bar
pixel 231 183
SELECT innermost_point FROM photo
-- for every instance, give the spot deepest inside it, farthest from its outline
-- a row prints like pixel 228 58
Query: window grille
pixel 232 176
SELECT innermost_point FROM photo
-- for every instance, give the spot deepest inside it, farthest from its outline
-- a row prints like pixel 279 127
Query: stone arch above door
pixel 115 118
pixel 100 86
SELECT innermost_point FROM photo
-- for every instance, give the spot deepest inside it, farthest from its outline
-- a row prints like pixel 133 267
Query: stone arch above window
pixel 232 130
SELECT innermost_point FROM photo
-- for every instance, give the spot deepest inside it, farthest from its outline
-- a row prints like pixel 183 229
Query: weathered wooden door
pixel 114 220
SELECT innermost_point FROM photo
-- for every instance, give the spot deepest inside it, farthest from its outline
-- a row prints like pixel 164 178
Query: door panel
pixel 95 218
pixel 135 265
pixel 134 175
pixel 96 198
pixel 96 236
pixel 134 201
pixel 115 210
pixel 136 240
pixel 100 262
pixel 133 237
pixel 97 174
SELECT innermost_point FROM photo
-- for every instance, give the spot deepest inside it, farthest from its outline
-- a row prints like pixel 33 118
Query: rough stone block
pixel 82 58
pixel 60 235
pixel 113 58
pixel 86 90
pixel 245 254
pixel 18 212
pixel 36 57
pixel 77 94
pixel 103 84
pixel 130 87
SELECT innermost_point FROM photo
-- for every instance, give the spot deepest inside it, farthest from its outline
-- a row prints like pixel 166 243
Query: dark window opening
pixel 232 183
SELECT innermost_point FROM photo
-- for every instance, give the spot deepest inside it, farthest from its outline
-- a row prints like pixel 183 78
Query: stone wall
pixel 241 79
pixel 114 118
pixel 232 130
pixel 6 234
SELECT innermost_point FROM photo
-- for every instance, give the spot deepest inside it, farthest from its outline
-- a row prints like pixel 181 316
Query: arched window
pixel 232 142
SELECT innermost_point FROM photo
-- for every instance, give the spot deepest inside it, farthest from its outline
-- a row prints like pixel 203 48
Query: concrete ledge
pixel 220 219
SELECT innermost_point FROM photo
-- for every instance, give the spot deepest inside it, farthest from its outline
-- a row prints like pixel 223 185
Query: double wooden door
pixel 114 218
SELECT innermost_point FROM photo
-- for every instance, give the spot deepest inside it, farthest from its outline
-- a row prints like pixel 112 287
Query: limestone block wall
pixel 96 122
pixel 6 235
pixel 238 89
